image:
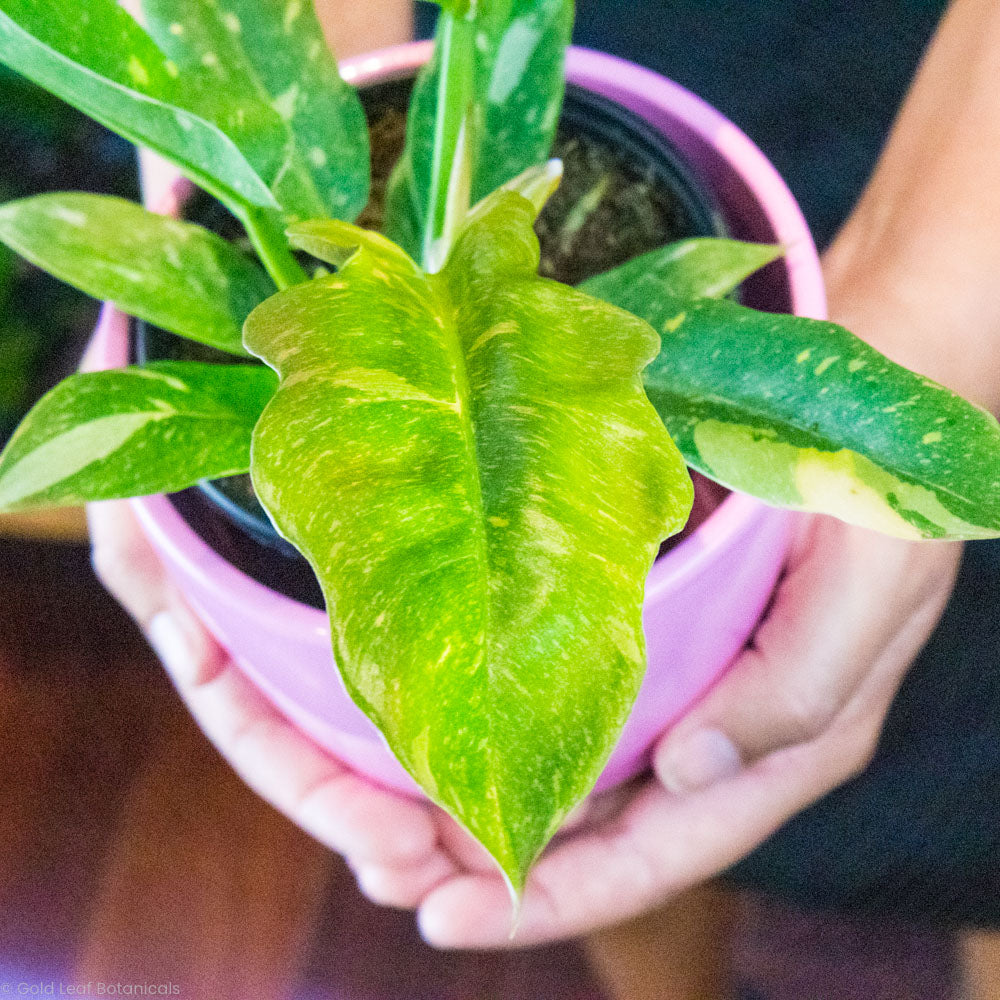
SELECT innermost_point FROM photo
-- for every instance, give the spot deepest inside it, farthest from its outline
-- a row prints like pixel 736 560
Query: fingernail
pixel 435 929
pixel 697 760
pixel 467 912
pixel 171 645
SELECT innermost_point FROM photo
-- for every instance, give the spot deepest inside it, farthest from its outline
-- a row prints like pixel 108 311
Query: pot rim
pixel 644 91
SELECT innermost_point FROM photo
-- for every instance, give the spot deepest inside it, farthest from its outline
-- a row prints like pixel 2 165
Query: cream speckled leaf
pixel 803 414
pixel 280 81
pixel 519 54
pixel 173 274
pixel 133 431
pixel 94 56
pixel 470 465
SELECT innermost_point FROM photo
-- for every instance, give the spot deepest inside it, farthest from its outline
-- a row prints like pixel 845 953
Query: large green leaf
pixel 803 414
pixel 270 60
pixel 94 56
pixel 133 431
pixel 173 274
pixel 470 465
pixel 507 125
pixel 702 267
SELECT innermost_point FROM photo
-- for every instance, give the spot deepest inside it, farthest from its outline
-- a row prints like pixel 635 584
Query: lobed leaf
pixel 702 267
pixel 281 83
pixel 519 48
pixel 803 414
pixel 173 274
pixel 469 463
pixel 133 431
pixel 94 56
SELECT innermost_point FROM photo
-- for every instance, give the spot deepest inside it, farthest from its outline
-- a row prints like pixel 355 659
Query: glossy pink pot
pixel 703 598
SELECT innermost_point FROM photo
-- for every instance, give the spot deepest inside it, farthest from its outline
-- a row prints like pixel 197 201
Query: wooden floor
pixel 129 853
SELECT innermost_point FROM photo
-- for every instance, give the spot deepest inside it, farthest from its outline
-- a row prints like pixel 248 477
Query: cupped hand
pixel 798 714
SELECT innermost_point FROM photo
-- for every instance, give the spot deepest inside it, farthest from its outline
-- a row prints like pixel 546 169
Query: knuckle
pixel 809 711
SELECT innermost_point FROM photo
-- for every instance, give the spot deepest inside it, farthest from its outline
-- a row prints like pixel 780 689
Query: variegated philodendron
pixel 803 414
pixel 132 432
pixel 242 96
pixel 484 109
pixel 462 450
pixel 176 275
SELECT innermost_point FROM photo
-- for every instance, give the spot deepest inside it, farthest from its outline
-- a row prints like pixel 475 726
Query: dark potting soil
pixel 623 193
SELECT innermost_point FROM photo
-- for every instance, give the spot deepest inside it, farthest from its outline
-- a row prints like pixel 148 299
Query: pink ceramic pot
pixel 703 598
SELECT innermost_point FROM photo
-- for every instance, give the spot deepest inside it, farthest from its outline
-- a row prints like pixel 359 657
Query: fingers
pixel 852 602
pixel 124 561
pixel 132 573
pixel 461 855
pixel 403 887
pixel 343 811
pixel 661 845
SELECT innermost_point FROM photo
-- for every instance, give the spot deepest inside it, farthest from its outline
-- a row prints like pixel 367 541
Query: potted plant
pixel 479 464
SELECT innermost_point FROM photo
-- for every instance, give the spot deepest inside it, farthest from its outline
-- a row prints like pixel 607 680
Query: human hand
pixel 914 273
pixel 799 713
pixel 340 809
pixel 793 719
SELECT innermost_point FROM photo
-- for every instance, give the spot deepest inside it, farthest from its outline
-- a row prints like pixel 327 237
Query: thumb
pixel 852 611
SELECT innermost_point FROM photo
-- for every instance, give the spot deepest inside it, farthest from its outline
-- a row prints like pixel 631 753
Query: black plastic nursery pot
pixel 625 190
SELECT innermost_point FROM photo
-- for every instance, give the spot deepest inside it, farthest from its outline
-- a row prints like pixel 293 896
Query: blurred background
pixel 126 844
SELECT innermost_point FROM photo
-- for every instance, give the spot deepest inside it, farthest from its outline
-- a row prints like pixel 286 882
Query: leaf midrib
pixel 463 396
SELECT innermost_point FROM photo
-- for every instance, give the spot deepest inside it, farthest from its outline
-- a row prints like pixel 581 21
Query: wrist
pixel 936 315
pixel 353 28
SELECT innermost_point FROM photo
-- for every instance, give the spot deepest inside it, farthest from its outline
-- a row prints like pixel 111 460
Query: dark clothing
pixel 919 832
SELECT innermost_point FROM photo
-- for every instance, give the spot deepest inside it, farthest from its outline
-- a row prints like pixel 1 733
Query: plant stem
pixel 454 139
pixel 265 232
